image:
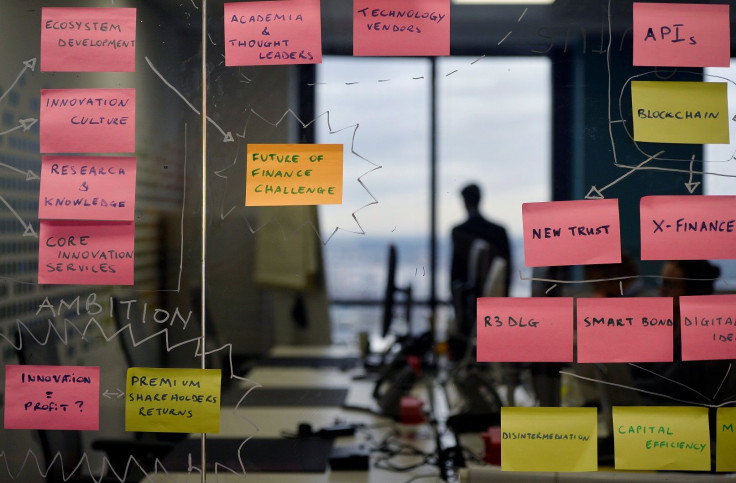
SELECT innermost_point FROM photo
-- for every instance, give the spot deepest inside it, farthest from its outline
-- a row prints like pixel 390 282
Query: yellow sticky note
pixel 294 174
pixel 661 438
pixel 680 112
pixel 172 400
pixel 549 439
pixel 726 439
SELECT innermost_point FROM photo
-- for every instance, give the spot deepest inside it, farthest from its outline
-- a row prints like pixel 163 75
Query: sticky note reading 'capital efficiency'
pixel 536 329
pixel 87 188
pixel 409 28
pixel 172 400
pixel 625 329
pixel 52 397
pixel 708 327
pixel 88 39
pixel 681 35
pixel 276 32
pixel 571 232
pixel 561 439
pixel 87 120
pixel 661 438
pixel 726 439
pixel 294 174
pixel 86 252
pixel 680 112
pixel 688 227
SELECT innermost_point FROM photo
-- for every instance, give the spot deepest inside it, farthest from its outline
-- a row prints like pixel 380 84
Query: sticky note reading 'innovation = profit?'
pixel 88 39
pixel 172 400
pixel 277 32
pixel 708 327
pixel 409 28
pixel 294 174
pixel 549 439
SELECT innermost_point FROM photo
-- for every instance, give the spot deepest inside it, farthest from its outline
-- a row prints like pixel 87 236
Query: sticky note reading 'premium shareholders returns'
pixel 294 174
pixel 726 439
pixel 661 438
pixel 625 329
pixel 681 35
pixel 87 120
pixel 86 252
pixel 708 326
pixel 560 439
pixel 410 28
pixel 276 32
pixel 88 39
pixel 537 329
pixel 571 233
pixel 52 397
pixel 680 112
pixel 688 227
pixel 172 400
pixel 87 188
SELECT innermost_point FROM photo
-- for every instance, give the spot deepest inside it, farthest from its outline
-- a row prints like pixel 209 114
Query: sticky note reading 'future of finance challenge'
pixel 409 28
pixel 559 439
pixel 708 326
pixel 571 233
pixel 680 112
pixel 172 400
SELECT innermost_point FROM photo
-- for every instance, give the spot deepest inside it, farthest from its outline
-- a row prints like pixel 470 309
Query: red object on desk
pixel 411 410
pixel 492 445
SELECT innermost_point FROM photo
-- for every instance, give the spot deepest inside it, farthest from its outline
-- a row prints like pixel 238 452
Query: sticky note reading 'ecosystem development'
pixel 410 28
pixel 571 233
pixel 688 227
pixel 172 400
pixel 52 397
pixel 86 252
pixel 294 174
pixel 87 120
pixel 726 439
pixel 625 329
pixel 536 329
pixel 560 439
pixel 708 327
pixel 681 35
pixel 661 438
pixel 88 39
pixel 680 112
pixel 87 188
pixel 276 32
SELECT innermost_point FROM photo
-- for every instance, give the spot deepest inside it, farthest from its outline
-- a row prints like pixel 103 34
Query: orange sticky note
pixel 88 39
pixel 52 397
pixel 688 227
pixel 408 28
pixel 87 188
pixel 276 32
pixel 538 329
pixel 86 252
pixel 87 120
pixel 571 232
pixel 294 174
pixel 681 35
pixel 708 327
pixel 625 329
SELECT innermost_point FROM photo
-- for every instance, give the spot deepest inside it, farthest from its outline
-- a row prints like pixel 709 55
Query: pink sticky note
pixel 273 33
pixel 86 252
pixel 87 188
pixel 681 35
pixel 409 27
pixel 88 39
pixel 708 327
pixel 688 227
pixel 625 329
pixel 52 397
pixel 87 120
pixel 525 329
pixel 571 232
